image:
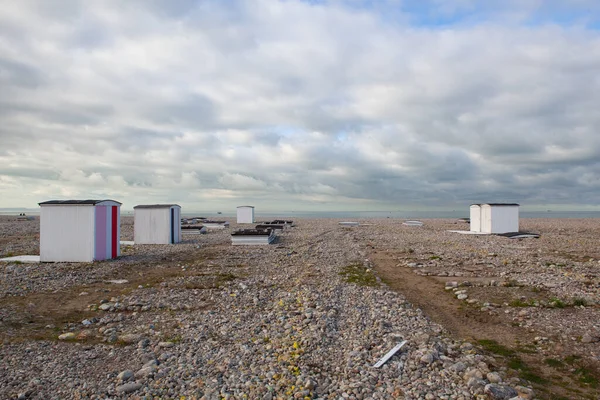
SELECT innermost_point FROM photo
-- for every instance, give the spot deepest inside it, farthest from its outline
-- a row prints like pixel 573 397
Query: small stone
pixel 67 336
pixel 146 371
pixel 525 392
pixel 494 377
pixel 166 345
pixel 129 387
pixel 86 322
pixel 462 296
pixel 125 375
pixel 130 338
pixel 310 385
pixel 475 383
pixel 499 392
pixel 428 357
pixel 83 293
pixel 105 306
pixel 458 367
pixel 587 338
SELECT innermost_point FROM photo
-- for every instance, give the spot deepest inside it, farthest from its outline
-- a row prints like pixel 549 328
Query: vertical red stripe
pixel 115 227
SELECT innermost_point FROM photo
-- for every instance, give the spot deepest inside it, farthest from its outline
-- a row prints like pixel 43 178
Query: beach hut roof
pixel 157 206
pixel 496 204
pixel 76 202
pixel 245 206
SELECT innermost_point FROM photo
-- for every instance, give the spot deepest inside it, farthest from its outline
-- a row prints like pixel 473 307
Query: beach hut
pixel 245 215
pixel 495 218
pixel 157 224
pixel 475 218
pixel 79 230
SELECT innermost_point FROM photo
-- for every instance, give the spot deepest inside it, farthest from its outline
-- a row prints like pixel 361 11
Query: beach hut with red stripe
pixel 79 230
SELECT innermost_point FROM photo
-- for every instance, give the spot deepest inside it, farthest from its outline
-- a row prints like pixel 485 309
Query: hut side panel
pixel 152 226
pixel 245 215
pixel 475 218
pixel 67 234
pixel 107 232
pixel 175 224
pixel 504 219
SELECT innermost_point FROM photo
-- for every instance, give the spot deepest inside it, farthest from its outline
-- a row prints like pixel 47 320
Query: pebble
pixel 129 387
pixel 67 336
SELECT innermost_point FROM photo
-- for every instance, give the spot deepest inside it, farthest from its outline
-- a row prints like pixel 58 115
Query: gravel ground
pixel 204 319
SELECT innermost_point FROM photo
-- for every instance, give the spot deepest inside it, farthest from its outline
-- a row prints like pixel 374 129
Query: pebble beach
pixel 308 316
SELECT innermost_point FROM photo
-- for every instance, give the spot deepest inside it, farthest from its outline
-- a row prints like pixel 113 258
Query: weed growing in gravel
pixel 554 363
pixel 358 275
pixel 557 303
pixel 521 303
pixel 514 361
pixel 435 258
pixel 579 301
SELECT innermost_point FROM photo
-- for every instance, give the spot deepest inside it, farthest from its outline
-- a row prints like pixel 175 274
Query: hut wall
pixel 67 233
pixel 475 218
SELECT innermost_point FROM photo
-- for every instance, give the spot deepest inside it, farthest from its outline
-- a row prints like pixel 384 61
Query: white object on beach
pixel 470 233
pixel 23 259
pixel 245 215
pixel 157 224
pixel 126 242
pixel 389 354
pixel 118 281
pixel 79 230
pixel 412 223
pixel 494 217
pixel 253 237
pixel 349 223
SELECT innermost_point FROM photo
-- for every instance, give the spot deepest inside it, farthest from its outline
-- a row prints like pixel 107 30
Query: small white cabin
pixel 157 224
pixel 79 230
pixel 495 217
pixel 245 215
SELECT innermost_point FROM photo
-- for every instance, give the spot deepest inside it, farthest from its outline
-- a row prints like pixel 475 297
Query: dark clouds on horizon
pixel 299 105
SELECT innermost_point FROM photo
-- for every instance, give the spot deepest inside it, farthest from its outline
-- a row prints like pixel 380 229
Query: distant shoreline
pixel 362 214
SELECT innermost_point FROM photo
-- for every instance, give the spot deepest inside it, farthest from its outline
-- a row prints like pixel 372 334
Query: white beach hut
pixel 495 218
pixel 157 224
pixel 79 230
pixel 245 215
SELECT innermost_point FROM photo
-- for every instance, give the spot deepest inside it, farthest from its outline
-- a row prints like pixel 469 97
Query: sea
pixel 417 214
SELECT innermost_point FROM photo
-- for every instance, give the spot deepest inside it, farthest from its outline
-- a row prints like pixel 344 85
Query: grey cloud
pixel 218 102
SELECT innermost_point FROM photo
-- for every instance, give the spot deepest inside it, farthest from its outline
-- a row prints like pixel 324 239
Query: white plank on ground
pixel 23 259
pixel 389 354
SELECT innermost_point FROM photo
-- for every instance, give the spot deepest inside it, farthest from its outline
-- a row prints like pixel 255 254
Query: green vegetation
pixel 521 303
pixel 513 361
pixel 359 275
pixel 557 303
pixel 435 258
pixel 554 363
pixel 579 301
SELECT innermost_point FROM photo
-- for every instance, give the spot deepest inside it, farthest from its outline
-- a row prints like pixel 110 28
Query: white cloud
pixel 294 105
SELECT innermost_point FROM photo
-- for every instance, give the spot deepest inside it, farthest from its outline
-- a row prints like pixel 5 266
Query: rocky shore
pixel 305 317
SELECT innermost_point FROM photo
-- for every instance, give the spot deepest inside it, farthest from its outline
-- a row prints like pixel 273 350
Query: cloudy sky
pixel 301 105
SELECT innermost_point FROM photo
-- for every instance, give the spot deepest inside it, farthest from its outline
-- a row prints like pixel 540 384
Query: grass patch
pixel 557 303
pixel 554 363
pixel 521 303
pixel 358 275
pixel 579 301
pixel 587 377
pixel 435 258
pixel 572 359
pixel 513 361
pixel 494 347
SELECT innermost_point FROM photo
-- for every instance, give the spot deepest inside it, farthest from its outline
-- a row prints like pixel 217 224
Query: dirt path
pixel 495 333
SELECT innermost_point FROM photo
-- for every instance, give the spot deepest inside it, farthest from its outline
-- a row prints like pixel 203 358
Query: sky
pixel 301 105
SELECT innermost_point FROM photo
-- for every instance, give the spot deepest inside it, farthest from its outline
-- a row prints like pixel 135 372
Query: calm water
pixel 367 214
